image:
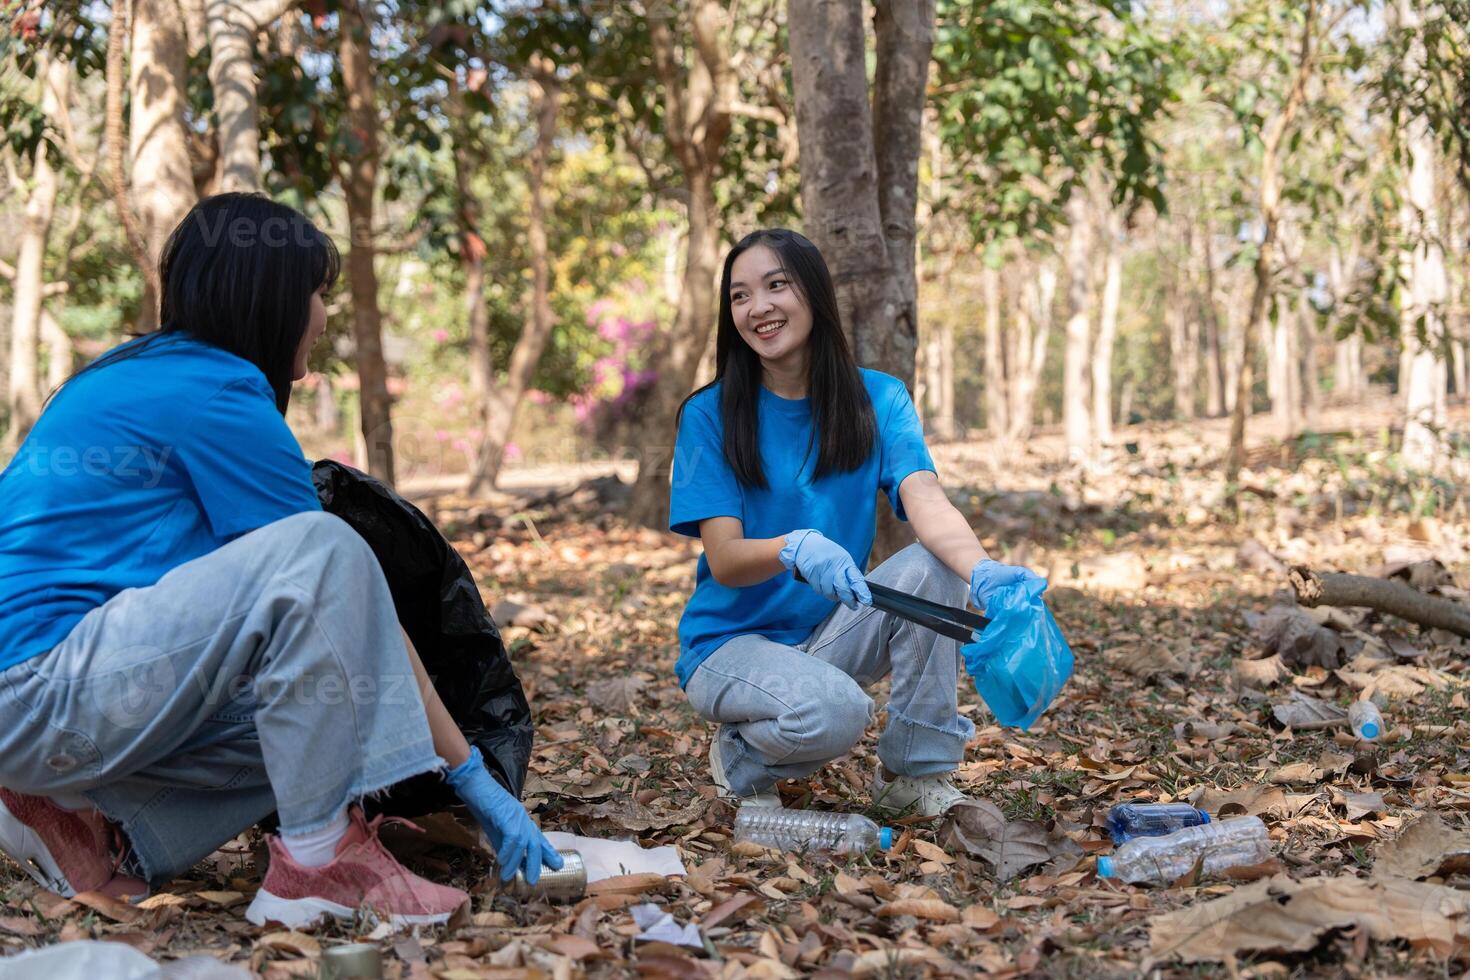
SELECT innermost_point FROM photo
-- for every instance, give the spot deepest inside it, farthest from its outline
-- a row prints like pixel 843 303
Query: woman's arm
pixel 449 741
pixel 735 560
pixel 938 525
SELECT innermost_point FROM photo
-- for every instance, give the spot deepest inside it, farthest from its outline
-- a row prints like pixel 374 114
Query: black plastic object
pixel 440 608
pixel 957 624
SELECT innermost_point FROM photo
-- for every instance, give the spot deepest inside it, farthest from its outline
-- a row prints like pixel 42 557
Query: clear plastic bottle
pixel 1226 844
pixel 795 830
pixel 1129 820
pixel 1365 720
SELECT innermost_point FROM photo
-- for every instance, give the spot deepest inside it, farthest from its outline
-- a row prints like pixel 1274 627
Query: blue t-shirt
pixel 133 469
pixel 843 506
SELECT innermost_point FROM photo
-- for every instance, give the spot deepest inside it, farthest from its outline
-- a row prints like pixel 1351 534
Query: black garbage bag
pixel 440 608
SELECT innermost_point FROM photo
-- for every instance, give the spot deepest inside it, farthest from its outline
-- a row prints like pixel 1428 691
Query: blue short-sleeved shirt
pixel 843 506
pixel 133 469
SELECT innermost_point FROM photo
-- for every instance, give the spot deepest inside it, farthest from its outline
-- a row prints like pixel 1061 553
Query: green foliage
pixel 1032 97
pixel 58 30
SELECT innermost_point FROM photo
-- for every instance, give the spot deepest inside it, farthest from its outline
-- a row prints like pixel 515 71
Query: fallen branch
pixel 1383 595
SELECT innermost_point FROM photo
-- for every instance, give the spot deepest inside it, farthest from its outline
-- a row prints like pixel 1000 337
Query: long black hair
pixel 238 272
pixel 841 409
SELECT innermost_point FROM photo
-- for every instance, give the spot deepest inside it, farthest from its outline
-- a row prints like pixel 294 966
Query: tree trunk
pixel 1107 332
pixel 60 352
pixel 1033 321
pixel 904 31
pixel 1347 367
pixel 504 401
pixel 1215 381
pixel 232 28
pixel 472 252
pixel 697 120
pixel 1421 316
pixel 997 388
pixel 1076 396
pixel 1272 139
pixel 158 137
pixel 1311 388
pixel 24 394
pixel 1284 360
pixel 359 178
pixel 328 417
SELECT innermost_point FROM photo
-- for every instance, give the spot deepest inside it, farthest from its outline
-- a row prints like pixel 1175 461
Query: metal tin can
pixel 355 961
pixel 568 884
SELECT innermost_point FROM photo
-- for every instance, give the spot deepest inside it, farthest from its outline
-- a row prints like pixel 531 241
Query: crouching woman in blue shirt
pixel 777 469
pixel 187 642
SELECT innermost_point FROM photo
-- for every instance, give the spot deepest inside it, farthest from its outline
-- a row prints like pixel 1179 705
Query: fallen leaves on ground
pixel 1174 698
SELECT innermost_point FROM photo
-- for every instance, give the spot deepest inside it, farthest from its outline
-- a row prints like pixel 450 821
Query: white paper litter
pixel 660 926
pixel 610 858
pixel 90 959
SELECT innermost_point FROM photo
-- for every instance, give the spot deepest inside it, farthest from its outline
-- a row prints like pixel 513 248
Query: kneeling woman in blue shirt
pixel 187 642
pixel 777 469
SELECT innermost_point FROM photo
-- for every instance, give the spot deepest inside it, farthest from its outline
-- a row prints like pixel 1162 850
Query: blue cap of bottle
pixel 1204 817
pixel 885 837
pixel 1104 867
pixel 1370 730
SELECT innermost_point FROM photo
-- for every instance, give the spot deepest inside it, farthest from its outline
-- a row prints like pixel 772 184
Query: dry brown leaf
pixel 20 925
pixel 635 884
pixel 933 909
pixel 629 814
pixel 1010 847
pixel 1253 799
pixel 729 908
pixel 899 960
pixel 113 908
pixel 1281 915
pixel 1358 805
pixel 574 948
pixel 979 917
pixel 932 852
pixel 1306 712
pixel 1296 636
pixel 617 695
pixel 291 942
pixel 1426 847
pixel 1259 673
pixel 225 899
pixel 1296 772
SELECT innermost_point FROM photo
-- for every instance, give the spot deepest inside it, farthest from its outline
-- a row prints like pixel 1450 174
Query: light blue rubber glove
pixel 989 576
pixel 518 842
pixel 827 568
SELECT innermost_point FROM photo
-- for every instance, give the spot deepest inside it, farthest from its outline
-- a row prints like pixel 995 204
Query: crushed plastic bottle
pixel 1129 820
pixel 1226 844
pixel 795 830
pixel 1365 719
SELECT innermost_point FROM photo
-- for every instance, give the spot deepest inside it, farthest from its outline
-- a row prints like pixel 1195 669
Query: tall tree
pixel 858 201
pixel 161 178
pixel 692 61
pixel 1076 394
pixel 358 173
pixel 232 27
pixel 1107 330
pixel 1275 132
pixel 502 400
pixel 24 395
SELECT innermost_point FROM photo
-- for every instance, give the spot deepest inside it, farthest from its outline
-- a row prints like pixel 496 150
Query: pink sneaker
pixel 363 875
pixel 67 851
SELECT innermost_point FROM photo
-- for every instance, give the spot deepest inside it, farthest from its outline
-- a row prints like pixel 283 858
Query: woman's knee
pixel 920 572
pixel 831 722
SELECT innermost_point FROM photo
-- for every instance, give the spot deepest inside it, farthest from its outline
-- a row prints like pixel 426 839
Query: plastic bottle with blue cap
pixel 814 830
pixel 1129 820
pixel 1365 719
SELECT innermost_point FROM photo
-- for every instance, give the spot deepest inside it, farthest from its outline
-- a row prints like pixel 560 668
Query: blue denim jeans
pixel 270 674
pixel 785 711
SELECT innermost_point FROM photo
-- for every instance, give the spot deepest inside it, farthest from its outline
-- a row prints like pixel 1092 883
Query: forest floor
pixel 1175 696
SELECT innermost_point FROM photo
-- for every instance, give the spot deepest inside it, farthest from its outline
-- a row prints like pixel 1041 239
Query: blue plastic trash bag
pixel 1021 660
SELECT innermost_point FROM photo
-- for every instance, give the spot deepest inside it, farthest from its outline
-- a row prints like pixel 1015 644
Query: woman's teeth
pixel 766 329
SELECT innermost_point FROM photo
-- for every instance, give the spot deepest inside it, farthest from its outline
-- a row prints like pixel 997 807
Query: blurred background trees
pixel 1083 216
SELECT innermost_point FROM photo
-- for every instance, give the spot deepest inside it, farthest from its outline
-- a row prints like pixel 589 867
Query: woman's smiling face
pixel 770 313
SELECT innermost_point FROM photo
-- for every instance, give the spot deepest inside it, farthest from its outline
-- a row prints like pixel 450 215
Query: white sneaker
pixel 767 800
pixel 931 796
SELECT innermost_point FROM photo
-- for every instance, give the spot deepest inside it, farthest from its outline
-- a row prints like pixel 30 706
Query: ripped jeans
pixel 267 675
pixel 786 711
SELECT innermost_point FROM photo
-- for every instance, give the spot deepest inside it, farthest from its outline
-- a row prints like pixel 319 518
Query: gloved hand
pixel 827 568
pixel 518 842
pixel 989 576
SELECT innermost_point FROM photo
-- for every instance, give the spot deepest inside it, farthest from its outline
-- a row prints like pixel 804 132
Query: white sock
pixel 317 847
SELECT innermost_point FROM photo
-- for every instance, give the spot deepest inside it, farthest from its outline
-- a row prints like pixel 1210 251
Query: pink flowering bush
pixel 620 378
